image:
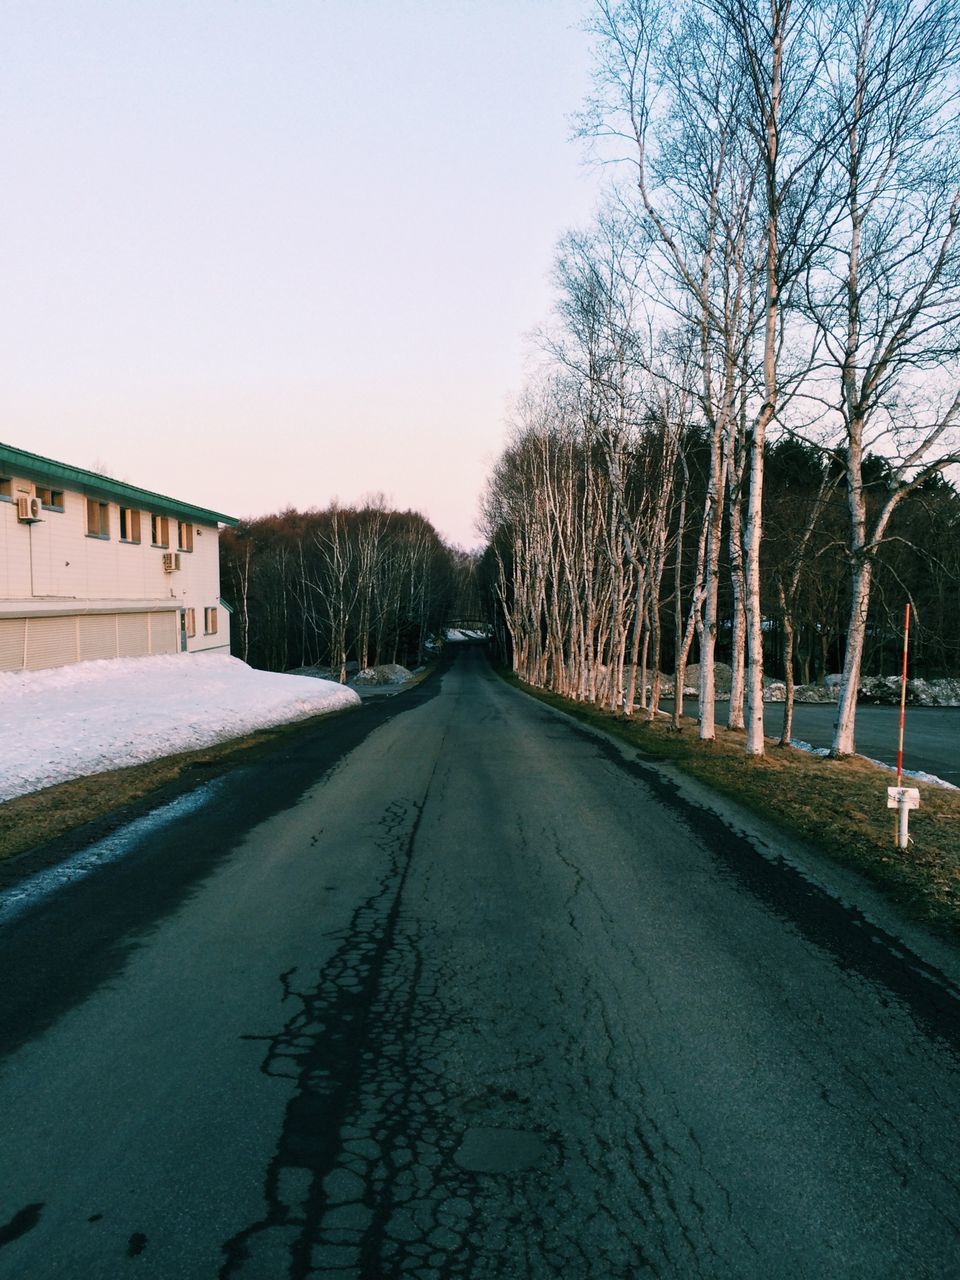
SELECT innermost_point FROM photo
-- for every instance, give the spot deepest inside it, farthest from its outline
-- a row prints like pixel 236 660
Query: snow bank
pixel 386 673
pixel 816 692
pixel 457 633
pixel 91 716
pixel 885 690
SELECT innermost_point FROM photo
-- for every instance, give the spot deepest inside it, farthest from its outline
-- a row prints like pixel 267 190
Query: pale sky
pixel 259 253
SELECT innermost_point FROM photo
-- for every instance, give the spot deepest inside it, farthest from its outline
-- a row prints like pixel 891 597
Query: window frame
pixel 190 623
pixel 184 536
pixel 103 522
pixel 132 537
pixel 210 615
pixel 49 503
pixel 8 495
pixel 161 524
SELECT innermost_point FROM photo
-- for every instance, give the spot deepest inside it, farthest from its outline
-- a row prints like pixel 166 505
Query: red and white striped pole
pixel 903 693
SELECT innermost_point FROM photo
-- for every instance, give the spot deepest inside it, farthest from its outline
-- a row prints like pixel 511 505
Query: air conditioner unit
pixel 29 510
pixel 171 561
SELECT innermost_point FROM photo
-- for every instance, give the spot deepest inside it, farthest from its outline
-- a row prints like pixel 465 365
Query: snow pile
pixel 457 633
pixel 386 673
pixel 815 692
pixel 885 691
pixel 91 716
pixel 722 678
pixel 878 690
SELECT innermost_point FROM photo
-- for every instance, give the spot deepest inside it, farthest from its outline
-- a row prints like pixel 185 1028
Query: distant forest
pixel 344 585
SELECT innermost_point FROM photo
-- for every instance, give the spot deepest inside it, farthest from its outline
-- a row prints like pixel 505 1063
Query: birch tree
pixel 886 297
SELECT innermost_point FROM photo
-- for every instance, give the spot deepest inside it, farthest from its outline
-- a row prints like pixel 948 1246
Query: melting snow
pixel 92 716
pixel 930 779
pixel 21 897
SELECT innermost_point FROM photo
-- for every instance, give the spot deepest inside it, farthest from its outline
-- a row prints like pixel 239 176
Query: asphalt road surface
pixel 448 986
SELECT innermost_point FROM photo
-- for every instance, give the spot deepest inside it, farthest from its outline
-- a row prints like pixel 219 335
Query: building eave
pixel 60 607
pixel 93 485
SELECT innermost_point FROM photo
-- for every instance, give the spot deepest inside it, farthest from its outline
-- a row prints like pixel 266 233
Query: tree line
pixel 577 615
pixel 346 584
pixel 778 269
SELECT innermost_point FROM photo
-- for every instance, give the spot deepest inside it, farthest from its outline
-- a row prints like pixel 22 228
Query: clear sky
pixel 258 253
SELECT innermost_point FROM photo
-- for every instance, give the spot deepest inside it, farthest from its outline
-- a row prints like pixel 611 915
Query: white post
pixel 903 799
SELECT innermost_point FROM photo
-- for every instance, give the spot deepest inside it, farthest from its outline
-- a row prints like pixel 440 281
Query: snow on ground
pixel 91 716
pixel 386 673
pixel 458 633
pixel 917 775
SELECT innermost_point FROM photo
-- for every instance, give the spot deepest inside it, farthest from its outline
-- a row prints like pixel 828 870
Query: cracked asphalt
pixel 452 987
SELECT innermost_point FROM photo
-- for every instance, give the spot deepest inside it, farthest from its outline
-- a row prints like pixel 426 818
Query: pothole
pixel 486 1150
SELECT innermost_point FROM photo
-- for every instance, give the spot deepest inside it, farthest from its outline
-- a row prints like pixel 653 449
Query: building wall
pixel 34 643
pixel 55 571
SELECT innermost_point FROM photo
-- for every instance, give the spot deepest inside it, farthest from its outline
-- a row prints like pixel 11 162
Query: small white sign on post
pixel 903 797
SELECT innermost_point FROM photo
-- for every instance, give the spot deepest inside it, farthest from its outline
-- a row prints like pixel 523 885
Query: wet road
pixel 449 987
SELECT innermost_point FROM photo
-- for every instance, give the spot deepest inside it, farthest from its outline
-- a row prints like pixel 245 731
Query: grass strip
pixel 839 806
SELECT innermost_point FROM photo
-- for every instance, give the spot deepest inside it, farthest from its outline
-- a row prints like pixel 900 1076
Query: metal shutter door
pixel 51 642
pixel 98 636
pixel 133 635
pixel 164 633
pixel 13 633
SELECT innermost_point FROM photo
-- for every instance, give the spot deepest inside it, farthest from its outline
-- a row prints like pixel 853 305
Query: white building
pixel 94 568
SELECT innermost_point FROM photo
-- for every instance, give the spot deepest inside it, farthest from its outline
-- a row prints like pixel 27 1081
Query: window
pixel 160 531
pixel 184 535
pixel 190 622
pixel 129 525
pixel 6 488
pixel 51 499
pixel 209 622
pixel 98 519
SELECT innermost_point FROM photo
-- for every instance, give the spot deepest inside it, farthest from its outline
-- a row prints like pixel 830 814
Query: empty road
pixel 449 986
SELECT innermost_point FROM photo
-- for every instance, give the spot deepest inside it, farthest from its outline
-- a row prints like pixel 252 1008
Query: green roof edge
pixel 35 467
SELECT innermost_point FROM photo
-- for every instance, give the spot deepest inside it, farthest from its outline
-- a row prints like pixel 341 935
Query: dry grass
pixel 837 805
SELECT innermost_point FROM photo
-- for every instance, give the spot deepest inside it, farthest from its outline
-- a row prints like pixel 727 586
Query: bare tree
pixel 886 294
